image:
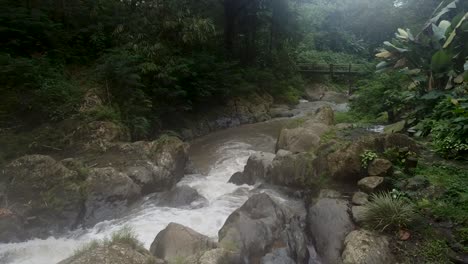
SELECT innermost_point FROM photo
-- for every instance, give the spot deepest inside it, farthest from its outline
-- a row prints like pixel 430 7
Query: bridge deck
pixel 332 68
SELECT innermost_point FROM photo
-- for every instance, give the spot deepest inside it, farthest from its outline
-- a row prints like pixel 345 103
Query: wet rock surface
pixel 180 242
pixel 181 196
pixel 365 247
pixel 329 222
pixel 262 225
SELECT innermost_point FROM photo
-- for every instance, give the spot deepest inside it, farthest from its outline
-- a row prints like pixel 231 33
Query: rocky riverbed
pixel 287 190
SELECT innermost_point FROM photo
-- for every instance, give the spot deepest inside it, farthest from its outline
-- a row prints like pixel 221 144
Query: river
pixel 217 156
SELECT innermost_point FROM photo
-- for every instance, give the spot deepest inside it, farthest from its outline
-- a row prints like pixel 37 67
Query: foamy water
pixel 147 220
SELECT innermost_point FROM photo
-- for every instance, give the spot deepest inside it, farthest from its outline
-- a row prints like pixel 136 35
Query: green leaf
pixel 454 32
pixel 441 60
pixel 441 30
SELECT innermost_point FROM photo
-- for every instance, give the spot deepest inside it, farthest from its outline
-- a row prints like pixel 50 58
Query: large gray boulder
pixel 293 170
pixel 180 242
pixel 306 137
pixel 344 162
pixel 115 253
pixel 43 193
pixel 256 169
pixel 263 224
pixel 181 196
pixel 155 166
pixel 365 247
pixel 298 140
pixel 329 222
pixel 109 192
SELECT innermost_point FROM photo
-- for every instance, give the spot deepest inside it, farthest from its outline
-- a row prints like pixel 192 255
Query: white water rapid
pixel 218 155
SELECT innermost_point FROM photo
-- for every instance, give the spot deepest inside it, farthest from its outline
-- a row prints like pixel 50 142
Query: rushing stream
pixel 217 156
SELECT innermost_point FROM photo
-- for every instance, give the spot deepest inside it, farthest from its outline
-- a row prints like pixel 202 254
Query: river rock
pixel 179 242
pixel 324 115
pixel 262 225
pixel 278 256
pixel 281 111
pixel 371 184
pixel 293 170
pixel 109 192
pixel 360 198
pixel 380 167
pixel 216 256
pixel 11 227
pixel 256 169
pixel 344 162
pixel 112 254
pixel 328 224
pixel 298 140
pixel 181 196
pixel 238 178
pixel 358 213
pixel 44 193
pixel 365 247
pixel 155 166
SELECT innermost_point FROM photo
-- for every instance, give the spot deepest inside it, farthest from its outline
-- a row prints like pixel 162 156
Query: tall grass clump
pixel 387 212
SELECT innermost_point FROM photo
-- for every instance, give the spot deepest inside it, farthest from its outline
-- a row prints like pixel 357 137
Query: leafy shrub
pixel 382 93
pixel 34 89
pixel 387 212
pixel 367 157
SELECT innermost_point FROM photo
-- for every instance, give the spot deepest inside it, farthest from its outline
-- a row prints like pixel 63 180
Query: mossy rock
pixel 45 192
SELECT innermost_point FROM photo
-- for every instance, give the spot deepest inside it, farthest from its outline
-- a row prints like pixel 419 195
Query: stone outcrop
pixel 365 247
pixel 329 222
pixel 293 170
pixel 47 196
pixel 108 193
pixel 344 161
pixel 234 112
pixel 181 196
pixel 261 226
pixel 180 242
pixel 360 198
pixel 306 137
pixel 44 194
pixel 257 167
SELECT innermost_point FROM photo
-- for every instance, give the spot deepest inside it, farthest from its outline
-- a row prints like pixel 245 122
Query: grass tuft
pixel 386 212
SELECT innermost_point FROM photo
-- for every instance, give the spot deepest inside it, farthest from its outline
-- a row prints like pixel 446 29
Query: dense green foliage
pixel 427 82
pixel 149 59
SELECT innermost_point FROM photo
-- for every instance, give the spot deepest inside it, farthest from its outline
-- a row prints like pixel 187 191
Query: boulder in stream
pixel 108 192
pixel 263 225
pixel 178 242
pixel 256 169
pixel 329 222
pixel 44 196
pixel 181 196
